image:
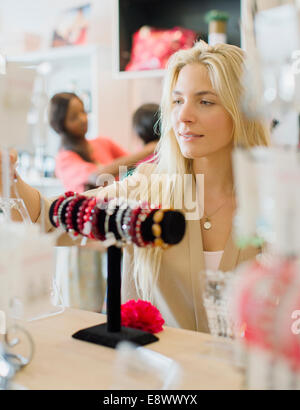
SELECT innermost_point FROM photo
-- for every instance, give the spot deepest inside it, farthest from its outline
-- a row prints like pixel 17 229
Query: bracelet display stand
pixel 111 333
pixel 142 226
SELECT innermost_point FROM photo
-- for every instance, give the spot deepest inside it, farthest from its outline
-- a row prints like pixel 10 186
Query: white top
pixel 212 260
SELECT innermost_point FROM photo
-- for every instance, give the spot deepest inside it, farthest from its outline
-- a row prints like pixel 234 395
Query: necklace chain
pixel 207 223
pixel 209 216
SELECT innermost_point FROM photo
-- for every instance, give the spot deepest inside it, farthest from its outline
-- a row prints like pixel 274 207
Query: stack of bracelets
pixel 125 221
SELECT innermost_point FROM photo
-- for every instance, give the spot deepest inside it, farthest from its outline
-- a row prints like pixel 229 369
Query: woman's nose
pixel 187 113
pixel 84 117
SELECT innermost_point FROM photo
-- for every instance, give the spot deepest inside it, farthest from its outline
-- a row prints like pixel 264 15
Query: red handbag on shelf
pixel 151 47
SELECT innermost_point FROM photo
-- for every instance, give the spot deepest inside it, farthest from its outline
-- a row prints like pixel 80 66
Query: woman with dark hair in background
pixel 145 125
pixel 80 162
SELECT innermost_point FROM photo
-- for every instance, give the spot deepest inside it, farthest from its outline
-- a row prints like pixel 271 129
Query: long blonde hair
pixel 225 64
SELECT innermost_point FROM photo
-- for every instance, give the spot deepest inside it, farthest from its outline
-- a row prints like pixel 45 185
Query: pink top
pixel 212 260
pixel 150 159
pixel 73 171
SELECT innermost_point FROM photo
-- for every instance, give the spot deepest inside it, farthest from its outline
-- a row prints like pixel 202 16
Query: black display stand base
pixel 101 336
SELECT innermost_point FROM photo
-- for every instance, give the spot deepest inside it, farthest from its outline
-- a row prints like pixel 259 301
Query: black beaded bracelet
pixel 51 212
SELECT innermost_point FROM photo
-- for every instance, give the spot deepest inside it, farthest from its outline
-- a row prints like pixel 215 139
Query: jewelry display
pixel 117 222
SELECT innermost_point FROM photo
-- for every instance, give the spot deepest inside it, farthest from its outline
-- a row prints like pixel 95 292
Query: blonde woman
pixel 200 125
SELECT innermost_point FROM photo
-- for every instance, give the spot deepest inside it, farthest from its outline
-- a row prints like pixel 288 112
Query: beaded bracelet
pixel 87 218
pixel 119 217
pixel 157 230
pixel 51 212
pixel 110 210
pixel 96 216
pixel 80 215
pixel 133 218
pixel 119 240
pixel 55 211
pixel 71 229
pixel 126 224
pixel 57 204
pixel 138 234
pixel 75 212
pixel 61 214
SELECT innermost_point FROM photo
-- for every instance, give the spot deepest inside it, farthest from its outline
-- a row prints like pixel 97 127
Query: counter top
pixel 61 362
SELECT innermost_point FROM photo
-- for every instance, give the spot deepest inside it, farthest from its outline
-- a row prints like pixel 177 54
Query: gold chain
pixel 207 224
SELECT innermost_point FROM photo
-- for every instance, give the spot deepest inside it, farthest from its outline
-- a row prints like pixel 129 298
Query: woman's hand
pixel 20 189
pixel 13 157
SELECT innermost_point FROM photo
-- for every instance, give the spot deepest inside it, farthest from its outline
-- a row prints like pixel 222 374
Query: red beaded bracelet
pixel 80 215
pixel 57 204
pixel 99 212
pixel 70 215
pixel 87 218
pixel 138 239
pixel 133 219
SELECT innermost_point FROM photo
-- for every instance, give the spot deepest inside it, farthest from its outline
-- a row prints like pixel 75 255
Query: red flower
pixel 141 315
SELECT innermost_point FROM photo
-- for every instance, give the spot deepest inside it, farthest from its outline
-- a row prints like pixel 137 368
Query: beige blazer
pixel 179 290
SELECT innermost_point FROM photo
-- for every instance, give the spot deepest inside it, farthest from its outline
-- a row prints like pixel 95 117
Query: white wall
pixel 118 98
pixel 40 17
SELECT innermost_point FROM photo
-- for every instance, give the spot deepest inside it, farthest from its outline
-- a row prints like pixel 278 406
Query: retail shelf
pixel 139 74
pixel 54 54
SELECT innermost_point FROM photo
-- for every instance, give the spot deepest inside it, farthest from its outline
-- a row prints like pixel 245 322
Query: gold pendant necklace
pixel 207 219
pixel 207 223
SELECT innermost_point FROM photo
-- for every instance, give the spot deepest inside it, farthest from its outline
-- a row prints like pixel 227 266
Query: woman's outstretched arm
pixel 128 160
pixel 30 196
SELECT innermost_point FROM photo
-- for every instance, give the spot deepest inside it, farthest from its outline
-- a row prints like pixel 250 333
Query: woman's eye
pixel 176 102
pixel 204 102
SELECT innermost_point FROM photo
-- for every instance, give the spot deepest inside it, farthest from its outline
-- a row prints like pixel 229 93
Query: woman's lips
pixel 187 137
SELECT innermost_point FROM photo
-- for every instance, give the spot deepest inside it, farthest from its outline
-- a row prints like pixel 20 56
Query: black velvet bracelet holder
pixel 111 333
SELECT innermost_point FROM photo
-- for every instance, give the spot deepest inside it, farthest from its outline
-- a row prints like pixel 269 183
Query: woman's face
pixel 201 124
pixel 76 122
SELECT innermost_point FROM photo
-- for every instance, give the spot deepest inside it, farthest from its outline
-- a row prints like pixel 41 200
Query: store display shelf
pixel 54 53
pixel 139 74
pixel 131 15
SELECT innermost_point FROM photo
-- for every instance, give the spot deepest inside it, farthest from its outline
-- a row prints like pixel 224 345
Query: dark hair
pixel 145 122
pixel 58 109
